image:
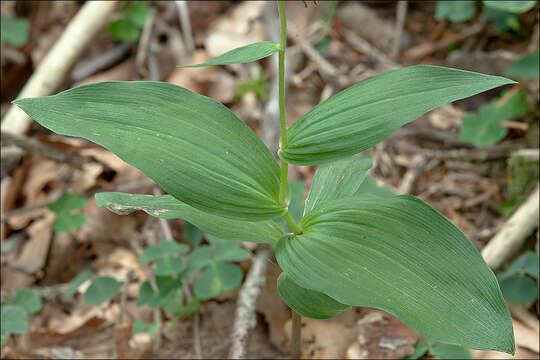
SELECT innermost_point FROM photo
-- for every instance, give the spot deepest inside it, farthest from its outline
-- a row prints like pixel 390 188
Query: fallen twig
pixel 513 233
pixel 417 163
pixel 400 22
pixel 53 68
pixel 185 22
pixel 245 318
pixel 89 67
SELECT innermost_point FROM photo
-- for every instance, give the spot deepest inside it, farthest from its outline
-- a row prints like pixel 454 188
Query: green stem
pixel 296 350
pixel 294 226
pixel 282 119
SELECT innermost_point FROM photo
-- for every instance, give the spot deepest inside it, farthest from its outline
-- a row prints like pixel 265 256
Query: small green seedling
pixel 63 208
pixel 256 84
pixel 128 27
pixel 14 31
pixel 15 311
pixel 353 246
pixel 516 283
pixel 101 288
pixel 140 326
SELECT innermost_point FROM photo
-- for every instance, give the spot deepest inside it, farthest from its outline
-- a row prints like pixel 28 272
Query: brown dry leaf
pixel 223 87
pixel 274 309
pixel 526 337
pixel 63 249
pixel 125 173
pixel 13 279
pixel 381 335
pixel 120 72
pixel 521 353
pixel 81 315
pixel 87 178
pixel 239 27
pixel 326 339
pixel 34 251
pixel 194 79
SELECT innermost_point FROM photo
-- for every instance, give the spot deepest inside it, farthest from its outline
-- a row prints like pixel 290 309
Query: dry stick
pixel 144 43
pixel 185 22
pixel 245 318
pixel 513 233
pixel 364 46
pixel 417 163
pixel 51 71
pixel 400 22
pixel 87 68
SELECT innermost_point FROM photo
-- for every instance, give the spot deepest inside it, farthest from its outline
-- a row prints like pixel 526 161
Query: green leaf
pixel 28 300
pixel 192 233
pixel 525 67
pixel 13 319
pixel 527 262
pixel 67 223
pixel 419 350
pixel 484 128
pixel 167 207
pixel 175 302
pixel 140 326
pixel 226 250
pixel 308 303
pixel 3 338
pixel 169 266
pixel 197 259
pixel 217 278
pixel 66 203
pixel 361 116
pixel 76 282
pixel 173 248
pixel 166 286
pixel 244 54
pixel 455 11
pixel 137 14
pixel 511 6
pixel 146 293
pixel 101 289
pixel 190 308
pixel 195 148
pixel 151 253
pixel 502 20
pixel 14 31
pixel 341 179
pixel 124 30
pixel 519 289
pixel 369 186
pixel 399 255
pixel 443 351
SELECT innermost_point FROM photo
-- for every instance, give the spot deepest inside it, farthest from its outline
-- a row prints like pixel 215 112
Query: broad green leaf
pixel 124 30
pixel 66 203
pixel 370 186
pixel 226 250
pixel 28 300
pixel 151 253
pixel 527 262
pixel 511 6
pixel 419 350
pixel 525 67
pixel 169 266
pixel 519 289
pixel 145 293
pixel 455 11
pixel 166 286
pixel 101 289
pixel 340 179
pixel 197 259
pixel 175 302
pixel 137 14
pixel 361 116
pixel 244 54
pixel 443 351
pixel 14 31
pixel 308 303
pixel 195 148
pixel 399 255
pixel 217 278
pixel 76 282
pixel 192 233
pixel 167 207
pixel 13 319
pixel 502 20
pixel 67 222
pixel 296 201
pixel 173 248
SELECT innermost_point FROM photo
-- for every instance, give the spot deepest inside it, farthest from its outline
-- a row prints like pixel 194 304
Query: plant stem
pixel 282 120
pixel 296 341
pixel 294 226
